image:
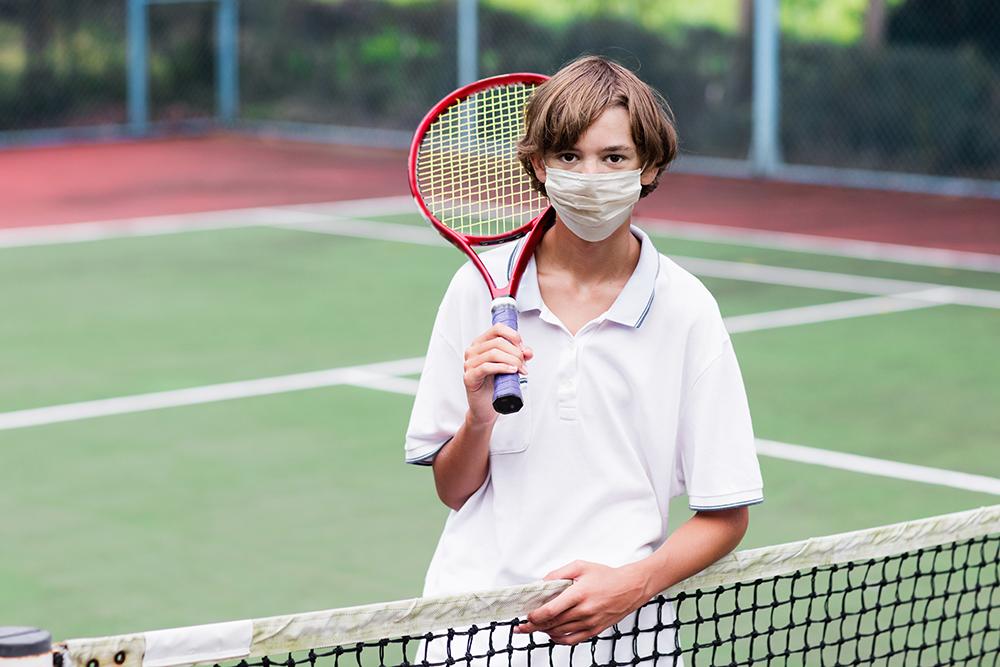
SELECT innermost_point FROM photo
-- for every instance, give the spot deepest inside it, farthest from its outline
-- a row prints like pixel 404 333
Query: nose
pixel 591 165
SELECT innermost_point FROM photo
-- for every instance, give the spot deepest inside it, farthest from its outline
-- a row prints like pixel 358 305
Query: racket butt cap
pixel 507 405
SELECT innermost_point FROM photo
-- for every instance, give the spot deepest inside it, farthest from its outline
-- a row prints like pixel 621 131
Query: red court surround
pixel 85 182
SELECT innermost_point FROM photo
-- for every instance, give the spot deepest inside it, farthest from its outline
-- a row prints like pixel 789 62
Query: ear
pixel 648 175
pixel 538 164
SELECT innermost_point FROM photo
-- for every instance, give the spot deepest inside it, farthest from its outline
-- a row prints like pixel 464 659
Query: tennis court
pixel 202 414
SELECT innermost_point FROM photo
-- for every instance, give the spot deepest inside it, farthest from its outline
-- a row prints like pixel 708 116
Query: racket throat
pixel 506 386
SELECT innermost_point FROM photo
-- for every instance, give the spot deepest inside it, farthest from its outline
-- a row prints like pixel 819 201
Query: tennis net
pixel 918 593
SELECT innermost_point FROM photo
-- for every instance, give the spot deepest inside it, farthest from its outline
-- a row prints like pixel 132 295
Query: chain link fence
pixel 896 86
pixel 356 63
pixel 916 89
pixel 62 63
pixel 703 71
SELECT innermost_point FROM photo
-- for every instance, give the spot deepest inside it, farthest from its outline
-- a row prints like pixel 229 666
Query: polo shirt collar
pixel 633 303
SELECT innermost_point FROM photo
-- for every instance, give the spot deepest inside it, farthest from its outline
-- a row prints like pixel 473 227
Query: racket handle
pixel 507 386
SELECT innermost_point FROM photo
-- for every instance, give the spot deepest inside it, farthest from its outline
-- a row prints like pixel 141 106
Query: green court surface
pixel 299 500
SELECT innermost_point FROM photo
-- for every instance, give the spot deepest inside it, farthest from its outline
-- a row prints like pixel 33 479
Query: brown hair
pixel 562 108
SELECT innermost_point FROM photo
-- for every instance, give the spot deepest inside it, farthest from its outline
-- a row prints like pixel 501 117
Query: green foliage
pixel 926 102
pixel 906 109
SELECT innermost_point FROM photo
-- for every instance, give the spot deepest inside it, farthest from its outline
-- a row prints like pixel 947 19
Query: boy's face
pixel 605 146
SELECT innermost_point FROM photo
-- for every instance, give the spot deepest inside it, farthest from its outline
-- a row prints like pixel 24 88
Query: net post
pixel 468 41
pixel 138 68
pixel 25 647
pixel 226 61
pixel 765 152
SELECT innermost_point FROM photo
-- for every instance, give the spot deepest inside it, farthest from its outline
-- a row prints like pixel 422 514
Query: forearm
pixel 700 541
pixel 461 466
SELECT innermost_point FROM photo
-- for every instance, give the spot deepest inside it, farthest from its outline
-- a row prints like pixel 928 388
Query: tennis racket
pixel 468 183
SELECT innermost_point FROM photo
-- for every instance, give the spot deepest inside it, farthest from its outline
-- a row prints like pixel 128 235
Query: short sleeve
pixel 440 404
pixel 717 461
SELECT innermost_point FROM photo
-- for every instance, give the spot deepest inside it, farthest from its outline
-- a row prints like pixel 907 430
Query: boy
pixel 634 394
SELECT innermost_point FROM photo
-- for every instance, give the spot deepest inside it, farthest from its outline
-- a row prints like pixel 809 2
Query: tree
pixel 875 22
pixel 948 23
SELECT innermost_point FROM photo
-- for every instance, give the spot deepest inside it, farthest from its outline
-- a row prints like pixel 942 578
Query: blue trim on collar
pixel 631 306
pixel 652 295
pixel 636 298
pixel 513 255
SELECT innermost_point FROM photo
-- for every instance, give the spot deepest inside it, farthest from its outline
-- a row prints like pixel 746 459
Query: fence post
pixel 468 41
pixel 227 60
pixel 765 151
pixel 138 67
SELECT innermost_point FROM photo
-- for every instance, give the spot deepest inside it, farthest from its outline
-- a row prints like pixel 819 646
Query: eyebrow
pixel 616 149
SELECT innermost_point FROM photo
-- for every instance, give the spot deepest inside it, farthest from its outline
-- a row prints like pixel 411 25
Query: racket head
pixel 463 168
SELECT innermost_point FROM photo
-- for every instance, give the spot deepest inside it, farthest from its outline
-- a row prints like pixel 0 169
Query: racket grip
pixel 507 386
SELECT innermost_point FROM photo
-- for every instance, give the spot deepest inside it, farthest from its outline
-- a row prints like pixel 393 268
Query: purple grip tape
pixel 507 386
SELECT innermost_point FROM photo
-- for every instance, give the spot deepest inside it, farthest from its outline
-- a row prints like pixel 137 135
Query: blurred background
pixel 887 85
pixel 216 291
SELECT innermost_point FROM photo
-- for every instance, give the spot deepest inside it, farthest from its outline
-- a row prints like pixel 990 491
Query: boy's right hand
pixel 499 350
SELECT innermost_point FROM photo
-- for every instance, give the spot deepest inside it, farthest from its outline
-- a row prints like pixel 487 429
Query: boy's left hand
pixel 599 597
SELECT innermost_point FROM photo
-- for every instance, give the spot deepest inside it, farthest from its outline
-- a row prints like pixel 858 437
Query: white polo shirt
pixel 644 403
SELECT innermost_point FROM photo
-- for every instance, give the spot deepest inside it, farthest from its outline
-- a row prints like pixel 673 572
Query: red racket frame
pixel 535 228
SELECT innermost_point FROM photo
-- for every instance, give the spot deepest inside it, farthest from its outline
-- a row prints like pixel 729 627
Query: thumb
pixel 572 571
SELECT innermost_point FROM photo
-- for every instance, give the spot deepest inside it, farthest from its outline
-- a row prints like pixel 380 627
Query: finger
pixel 475 377
pixel 573 571
pixel 510 334
pixel 548 612
pixel 498 345
pixel 573 639
pixel 553 625
pixel 525 628
pixel 563 629
pixel 478 347
pixel 501 331
pixel 500 357
pixel 529 354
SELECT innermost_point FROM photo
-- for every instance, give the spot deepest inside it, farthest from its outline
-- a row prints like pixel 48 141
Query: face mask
pixel 593 206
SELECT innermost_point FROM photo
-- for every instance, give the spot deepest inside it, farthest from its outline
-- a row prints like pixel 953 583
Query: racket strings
pixel 467 169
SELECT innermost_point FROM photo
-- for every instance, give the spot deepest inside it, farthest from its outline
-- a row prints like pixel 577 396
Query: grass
pixel 301 501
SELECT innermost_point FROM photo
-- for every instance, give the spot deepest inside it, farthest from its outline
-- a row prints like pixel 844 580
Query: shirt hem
pixel 424 455
pixel 726 500
pixel 711 508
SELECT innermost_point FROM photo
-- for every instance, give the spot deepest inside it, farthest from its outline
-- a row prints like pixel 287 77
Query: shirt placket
pixel 568 375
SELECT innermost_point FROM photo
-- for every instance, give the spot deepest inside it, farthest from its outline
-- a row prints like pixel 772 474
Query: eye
pixel 615 158
pixel 567 158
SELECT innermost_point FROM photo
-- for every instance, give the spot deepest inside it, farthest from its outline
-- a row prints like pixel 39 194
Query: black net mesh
pixel 932 606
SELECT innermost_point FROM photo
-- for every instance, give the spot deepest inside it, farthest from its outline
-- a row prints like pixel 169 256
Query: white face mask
pixel 593 206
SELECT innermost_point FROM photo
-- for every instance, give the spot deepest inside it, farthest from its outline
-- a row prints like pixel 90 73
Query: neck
pixel 562 250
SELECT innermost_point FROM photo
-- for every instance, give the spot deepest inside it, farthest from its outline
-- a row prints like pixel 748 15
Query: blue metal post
pixel 138 68
pixel 468 41
pixel 227 60
pixel 765 151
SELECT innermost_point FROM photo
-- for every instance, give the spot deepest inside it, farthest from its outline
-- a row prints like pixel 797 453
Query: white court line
pixel 381 375
pixel 880 467
pixel 161 225
pixel 206 394
pixel 172 224
pixel 840 310
pixel 366 229
pixel 823 245
pixel 714 268
pixel 841 282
